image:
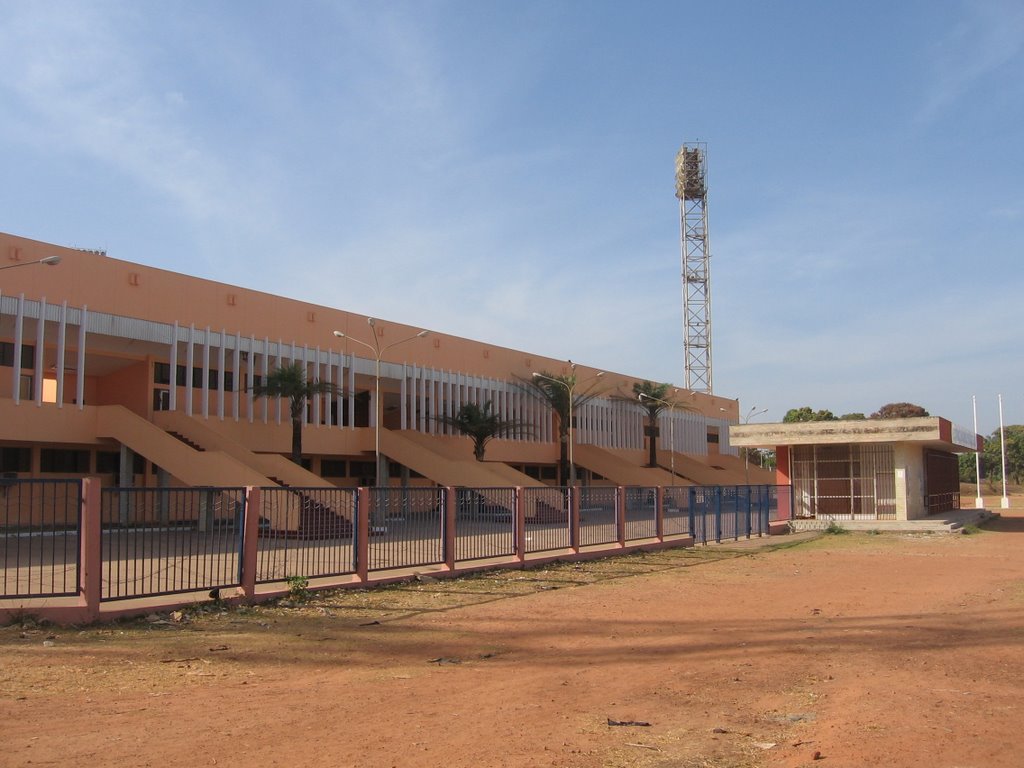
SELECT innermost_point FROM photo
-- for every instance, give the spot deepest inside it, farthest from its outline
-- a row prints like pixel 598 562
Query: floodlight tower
pixel 692 191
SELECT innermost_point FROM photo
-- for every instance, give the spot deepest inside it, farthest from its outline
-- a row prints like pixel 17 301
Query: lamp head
pixel 339 334
pixel 371 321
pixel 421 334
pixel 51 260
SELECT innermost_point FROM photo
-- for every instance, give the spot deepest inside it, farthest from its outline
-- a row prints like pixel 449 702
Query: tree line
pixel 887 411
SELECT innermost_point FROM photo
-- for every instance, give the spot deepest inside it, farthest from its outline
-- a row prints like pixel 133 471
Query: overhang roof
pixel 932 431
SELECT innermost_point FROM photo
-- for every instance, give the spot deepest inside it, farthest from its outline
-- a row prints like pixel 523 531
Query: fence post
pixel 692 493
pixel 620 514
pixel 362 547
pixel 718 514
pixel 659 512
pixel 90 584
pixel 574 518
pixel 750 489
pixel 520 524
pixel 450 509
pixel 250 539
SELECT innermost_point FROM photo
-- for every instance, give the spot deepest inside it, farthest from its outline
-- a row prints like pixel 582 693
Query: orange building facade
pixel 143 377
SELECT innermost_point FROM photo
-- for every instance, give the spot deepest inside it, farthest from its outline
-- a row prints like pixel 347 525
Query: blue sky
pixel 504 171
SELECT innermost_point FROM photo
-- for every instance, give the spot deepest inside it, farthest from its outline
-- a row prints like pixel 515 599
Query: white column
pixel 80 364
pixel 61 349
pixel 265 363
pixel 173 358
pixel 19 327
pixel 318 399
pixel 39 365
pixel 421 401
pixel 222 374
pixel 205 390
pixel 403 397
pixel 329 379
pixel 351 392
pixel 280 360
pixel 190 361
pixel 237 378
pixel 249 376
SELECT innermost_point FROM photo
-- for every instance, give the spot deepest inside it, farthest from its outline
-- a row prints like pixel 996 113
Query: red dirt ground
pixel 846 650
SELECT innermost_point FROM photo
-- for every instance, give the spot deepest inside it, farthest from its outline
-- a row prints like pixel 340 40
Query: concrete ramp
pixel 621 467
pixel 411 449
pixel 271 465
pixel 188 465
pixel 720 469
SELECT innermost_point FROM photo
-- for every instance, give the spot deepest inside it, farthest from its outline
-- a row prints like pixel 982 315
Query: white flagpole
pixel 1002 448
pixel 979 503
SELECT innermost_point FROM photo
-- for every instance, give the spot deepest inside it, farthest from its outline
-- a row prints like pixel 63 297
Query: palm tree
pixel 289 381
pixel 652 399
pixel 558 391
pixel 481 425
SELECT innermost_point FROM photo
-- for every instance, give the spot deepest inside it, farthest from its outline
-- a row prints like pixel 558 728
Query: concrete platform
pixel 944 522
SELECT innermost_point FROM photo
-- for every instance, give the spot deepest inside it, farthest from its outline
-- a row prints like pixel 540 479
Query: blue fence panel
pixel 406 527
pixel 546 516
pixel 599 511
pixel 485 521
pixel 641 513
pixel 306 532
pixel 39 544
pixel 161 541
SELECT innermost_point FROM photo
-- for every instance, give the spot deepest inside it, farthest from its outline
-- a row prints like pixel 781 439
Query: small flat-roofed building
pixel 875 469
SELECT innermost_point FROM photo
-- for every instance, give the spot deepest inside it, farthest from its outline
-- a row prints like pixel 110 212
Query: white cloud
pixel 989 37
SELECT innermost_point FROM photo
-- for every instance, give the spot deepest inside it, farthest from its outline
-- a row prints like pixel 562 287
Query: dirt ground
pixel 843 650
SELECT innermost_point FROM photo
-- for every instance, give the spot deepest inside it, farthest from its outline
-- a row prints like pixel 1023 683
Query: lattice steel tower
pixel 692 191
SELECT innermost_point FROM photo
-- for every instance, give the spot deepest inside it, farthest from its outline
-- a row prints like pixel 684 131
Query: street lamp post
pixel 51 261
pixel 671 429
pixel 570 388
pixel 378 352
pixel 746 451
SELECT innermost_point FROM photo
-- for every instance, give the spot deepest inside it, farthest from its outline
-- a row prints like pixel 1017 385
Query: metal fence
pixel 39 529
pixel 546 513
pixel 162 541
pixel 406 527
pixel 599 515
pixel 730 512
pixel 306 533
pixel 641 512
pixel 485 523
pixel 676 510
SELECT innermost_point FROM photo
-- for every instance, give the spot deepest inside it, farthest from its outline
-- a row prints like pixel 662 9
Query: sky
pixel 504 171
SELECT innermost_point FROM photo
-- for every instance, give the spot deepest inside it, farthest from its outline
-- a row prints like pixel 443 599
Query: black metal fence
pixel 39 528
pixel 163 541
pixel 306 533
pixel 485 523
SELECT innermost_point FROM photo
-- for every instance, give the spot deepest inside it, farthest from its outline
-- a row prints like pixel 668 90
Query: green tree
pixel 794 415
pixel 991 456
pixel 557 391
pixel 651 397
pixel 899 411
pixel 968 469
pixel 290 382
pixel 481 425
pixel 852 417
